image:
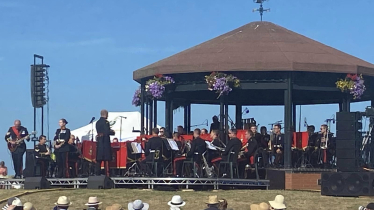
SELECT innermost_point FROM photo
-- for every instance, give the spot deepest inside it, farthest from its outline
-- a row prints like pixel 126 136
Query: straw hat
pixel 116 206
pixel 176 201
pixel 17 202
pixel 28 206
pixel 63 201
pixel 278 202
pixel 92 201
pixel 138 205
pixel 212 199
pixel 261 206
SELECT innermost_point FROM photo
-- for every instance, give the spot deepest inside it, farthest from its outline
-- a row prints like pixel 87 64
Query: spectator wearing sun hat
pixel 63 203
pixel 28 206
pixel 138 205
pixel 212 203
pixel 93 203
pixel 261 206
pixel 9 202
pixel 176 202
pixel 278 203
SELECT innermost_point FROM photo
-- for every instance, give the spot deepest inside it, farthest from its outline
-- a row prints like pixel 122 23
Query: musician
pixel 61 146
pixel 198 145
pixel 277 144
pixel 103 147
pixel 212 154
pixel 249 151
pixel 204 131
pixel 162 132
pixel 179 156
pixel 155 143
pixel 310 150
pixel 73 156
pixel 214 125
pixel 324 139
pixel 180 130
pixel 256 135
pixel 265 137
pixel 234 145
pixel 17 132
pixel 42 154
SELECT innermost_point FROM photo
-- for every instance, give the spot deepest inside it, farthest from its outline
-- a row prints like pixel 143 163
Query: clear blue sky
pixel 94 46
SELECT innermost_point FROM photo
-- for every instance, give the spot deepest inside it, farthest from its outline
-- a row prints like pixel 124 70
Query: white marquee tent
pixel 130 122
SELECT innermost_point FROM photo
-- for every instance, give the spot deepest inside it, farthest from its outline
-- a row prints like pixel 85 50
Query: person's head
pixel 232 133
pixel 196 132
pixel 215 119
pixel 162 131
pixel 248 134
pixel 204 131
pixel 155 131
pixel 71 139
pixel 176 136
pixel 263 130
pixel 42 139
pixel 17 123
pixel 311 129
pixel 62 123
pixel 277 128
pixel 28 206
pixel 2 164
pixel 223 204
pixel 104 113
pixel 115 140
pixel 63 202
pixel 180 129
pixel 253 128
pixel 370 206
pixel 214 134
pixel 323 128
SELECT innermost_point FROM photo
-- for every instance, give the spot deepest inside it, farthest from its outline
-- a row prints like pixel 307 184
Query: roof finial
pixel 261 9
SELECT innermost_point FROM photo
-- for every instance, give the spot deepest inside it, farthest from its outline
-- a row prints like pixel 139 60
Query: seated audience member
pixel 3 170
pixel 212 203
pixel 138 205
pixel 93 203
pixel 116 206
pixel 370 206
pixel 63 202
pixel 261 206
pixel 28 206
pixel 278 202
pixel 16 205
pixel 9 202
pixel 223 204
pixel 176 202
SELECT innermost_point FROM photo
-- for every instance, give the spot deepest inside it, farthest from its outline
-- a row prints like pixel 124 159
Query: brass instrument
pixel 323 144
pixel 208 170
pixel 271 140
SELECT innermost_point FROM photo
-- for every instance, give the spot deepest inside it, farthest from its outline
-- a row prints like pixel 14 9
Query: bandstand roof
pixel 258 46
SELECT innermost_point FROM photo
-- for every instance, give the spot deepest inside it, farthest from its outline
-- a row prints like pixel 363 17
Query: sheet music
pixel 173 144
pixel 136 148
pixel 209 145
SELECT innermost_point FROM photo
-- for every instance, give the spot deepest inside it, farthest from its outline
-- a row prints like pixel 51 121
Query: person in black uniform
pixel 73 157
pixel 42 155
pixel 61 146
pixel 234 145
pixel 154 150
pixel 256 135
pixel 16 132
pixel 212 154
pixel 103 147
pixel 198 145
pixel 277 144
pixel 214 125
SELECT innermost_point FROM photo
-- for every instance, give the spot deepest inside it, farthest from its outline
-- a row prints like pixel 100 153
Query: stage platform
pixel 148 183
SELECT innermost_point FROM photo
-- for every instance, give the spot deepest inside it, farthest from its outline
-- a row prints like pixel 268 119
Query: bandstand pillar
pixel 167 115
pixel 146 115
pixel 293 117
pixel 171 110
pixel 226 119
pixel 155 113
pixel 346 104
pixel 288 122
pixel 150 120
pixel 142 101
pixel 188 129
pixel 372 134
pixel 185 117
pixel 238 116
pixel 221 117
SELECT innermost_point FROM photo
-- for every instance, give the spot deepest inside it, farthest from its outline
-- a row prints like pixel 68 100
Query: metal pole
pixel 221 116
pixel 293 117
pixel 185 117
pixel 171 116
pixel 142 99
pixel 300 118
pixel 43 105
pixel 288 122
pixel 155 113
pixel 167 115
pixel 226 119
pixel 189 118
pixel 120 131
pixel 150 116
pixel 146 116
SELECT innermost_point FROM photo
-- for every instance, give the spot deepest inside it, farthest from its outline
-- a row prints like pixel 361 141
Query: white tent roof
pixel 130 122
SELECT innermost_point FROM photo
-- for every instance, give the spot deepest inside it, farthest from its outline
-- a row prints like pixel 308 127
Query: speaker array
pixel 347 183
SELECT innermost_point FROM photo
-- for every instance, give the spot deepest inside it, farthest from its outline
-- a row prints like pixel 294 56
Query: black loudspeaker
pixel 348 141
pixel 100 182
pixel 347 183
pixel 29 170
pixel 32 183
pixel 276 178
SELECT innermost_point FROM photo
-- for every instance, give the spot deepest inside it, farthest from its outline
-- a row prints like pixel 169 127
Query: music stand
pixel 138 151
pixel 171 145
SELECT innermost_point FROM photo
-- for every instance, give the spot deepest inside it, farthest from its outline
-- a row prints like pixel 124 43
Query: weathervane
pixel 261 9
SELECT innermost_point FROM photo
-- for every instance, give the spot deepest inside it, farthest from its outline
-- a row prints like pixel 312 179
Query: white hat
pixel 63 201
pixel 17 202
pixel 278 202
pixel 28 206
pixel 92 201
pixel 138 205
pixel 176 201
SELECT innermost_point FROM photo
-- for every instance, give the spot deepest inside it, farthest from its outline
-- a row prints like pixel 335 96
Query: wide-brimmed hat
pixel 17 202
pixel 261 206
pixel 63 201
pixel 93 201
pixel 176 201
pixel 278 202
pixel 116 206
pixel 212 199
pixel 138 205
pixel 28 206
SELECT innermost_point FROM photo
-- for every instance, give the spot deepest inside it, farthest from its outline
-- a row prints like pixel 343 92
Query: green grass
pixel 237 199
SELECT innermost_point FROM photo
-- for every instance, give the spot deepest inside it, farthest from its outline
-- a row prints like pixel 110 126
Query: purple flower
pixel 136 98
pixel 358 88
pixel 155 89
pixel 169 79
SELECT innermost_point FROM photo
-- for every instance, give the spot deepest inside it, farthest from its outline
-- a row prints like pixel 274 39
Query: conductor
pixel 103 148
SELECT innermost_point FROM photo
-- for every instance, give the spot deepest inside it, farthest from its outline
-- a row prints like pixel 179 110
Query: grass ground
pixel 237 199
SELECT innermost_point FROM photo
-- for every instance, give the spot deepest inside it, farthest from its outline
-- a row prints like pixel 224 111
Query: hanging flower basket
pixel 155 87
pixel 221 83
pixel 136 97
pixel 353 83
